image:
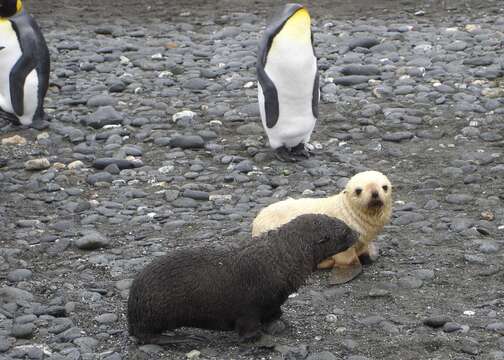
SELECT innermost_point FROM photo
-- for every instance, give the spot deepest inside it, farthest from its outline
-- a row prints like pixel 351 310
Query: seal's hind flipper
pixel 178 339
pixel 342 275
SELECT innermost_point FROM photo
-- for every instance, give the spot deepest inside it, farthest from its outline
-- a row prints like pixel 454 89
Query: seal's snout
pixel 375 195
pixel 375 203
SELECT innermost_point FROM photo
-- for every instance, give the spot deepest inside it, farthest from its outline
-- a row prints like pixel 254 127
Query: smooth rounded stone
pixel 457 45
pixel 479 61
pixel 26 352
pixel 23 319
pixel 19 275
pixel 226 32
pixel 113 169
pixel 496 355
pixel 37 164
pixel 363 42
pixel 360 70
pixel 187 142
pixel 185 202
pixel 324 355
pixel 423 274
pixel 58 325
pixel 69 335
pixel 250 129
pixel 409 282
pixel 244 166
pixel 104 115
pixel 86 344
pixel 14 140
pixel 357 357
pixel 389 327
pixel 431 204
pixel 23 331
pixel 102 163
pixel 101 100
pixel 491 136
pixel 397 136
pixel 459 199
pixel 196 195
pixel 150 349
pixel 469 346
pixel 292 352
pixel 408 218
pixel 461 224
pixel 436 321
pixel 92 241
pixel 195 84
pixel 489 247
pixel 404 90
pixel 5 344
pixel 351 80
pixel 106 318
pixel 450 327
pixel 123 284
pixel 497 327
pixel 475 259
pixel 11 294
pixel 102 176
pixel 372 320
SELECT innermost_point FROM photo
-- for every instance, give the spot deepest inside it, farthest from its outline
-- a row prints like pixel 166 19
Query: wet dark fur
pixel 225 288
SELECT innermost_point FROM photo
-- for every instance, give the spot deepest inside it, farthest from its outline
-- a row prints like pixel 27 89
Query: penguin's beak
pixel 2 47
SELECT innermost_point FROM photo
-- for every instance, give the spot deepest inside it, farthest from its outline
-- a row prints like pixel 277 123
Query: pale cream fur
pixel 347 206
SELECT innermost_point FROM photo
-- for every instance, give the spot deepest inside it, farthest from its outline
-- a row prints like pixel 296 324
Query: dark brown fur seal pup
pixel 232 288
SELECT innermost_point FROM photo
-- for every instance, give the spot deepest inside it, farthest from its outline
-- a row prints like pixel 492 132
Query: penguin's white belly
pixel 292 68
pixel 9 56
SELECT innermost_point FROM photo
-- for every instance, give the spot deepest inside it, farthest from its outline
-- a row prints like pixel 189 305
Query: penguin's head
pixel 297 23
pixel 9 8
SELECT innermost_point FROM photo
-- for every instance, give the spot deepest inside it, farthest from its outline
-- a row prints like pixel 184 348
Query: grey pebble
pixel 92 241
pixel 324 355
pixel 187 141
pixel 19 275
pixel 436 321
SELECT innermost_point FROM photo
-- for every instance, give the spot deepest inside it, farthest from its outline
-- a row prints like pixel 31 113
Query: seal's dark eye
pixel 385 188
pixel 358 191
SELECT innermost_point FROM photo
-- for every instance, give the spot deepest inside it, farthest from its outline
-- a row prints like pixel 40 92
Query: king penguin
pixel 24 65
pixel 288 82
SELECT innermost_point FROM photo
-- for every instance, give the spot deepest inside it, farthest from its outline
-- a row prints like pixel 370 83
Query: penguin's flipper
pixel 17 78
pixel 271 106
pixel 316 96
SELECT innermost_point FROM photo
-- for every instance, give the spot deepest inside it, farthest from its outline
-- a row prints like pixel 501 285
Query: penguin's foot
pixel 11 118
pixel 283 154
pixel 301 150
pixel 40 124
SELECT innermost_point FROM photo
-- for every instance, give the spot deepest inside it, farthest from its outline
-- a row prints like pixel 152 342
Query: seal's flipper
pixel 341 275
pixel 177 339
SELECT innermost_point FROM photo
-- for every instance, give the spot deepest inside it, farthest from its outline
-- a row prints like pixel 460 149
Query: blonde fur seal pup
pixel 365 205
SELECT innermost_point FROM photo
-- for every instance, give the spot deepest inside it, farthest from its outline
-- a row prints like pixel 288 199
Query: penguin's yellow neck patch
pixel 19 6
pixel 297 28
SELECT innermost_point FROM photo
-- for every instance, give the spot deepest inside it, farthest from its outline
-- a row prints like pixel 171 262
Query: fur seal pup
pixel 24 66
pixel 288 82
pixel 365 205
pixel 232 288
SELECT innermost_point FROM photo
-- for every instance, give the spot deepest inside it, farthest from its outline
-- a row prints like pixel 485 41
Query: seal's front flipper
pixel 342 275
pixel 178 339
